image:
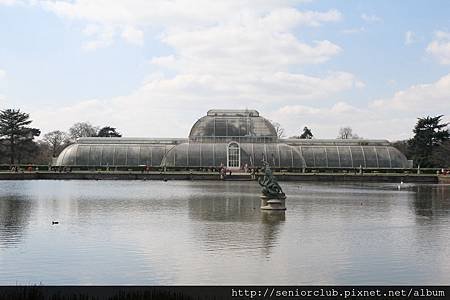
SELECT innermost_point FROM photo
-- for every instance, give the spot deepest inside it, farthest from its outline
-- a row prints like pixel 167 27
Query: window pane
pixel 320 157
pixel 383 157
pixel 120 156
pixel 95 156
pixel 207 155
pixel 83 155
pixel 157 155
pixel 108 155
pixel 194 154
pixel 333 157
pixel 371 157
pixel 133 156
pixel 145 157
pixel 345 155
pixel 69 156
pixel 358 157
pixel 286 156
pixel 308 155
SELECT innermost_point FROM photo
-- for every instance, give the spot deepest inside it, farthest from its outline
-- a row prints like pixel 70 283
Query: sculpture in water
pixel 271 188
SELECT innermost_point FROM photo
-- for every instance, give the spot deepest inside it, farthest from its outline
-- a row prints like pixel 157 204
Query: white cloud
pixel 440 47
pixel 410 37
pixel 391 118
pixel 224 54
pixel 326 121
pixel 236 54
pixel 235 47
pixel 170 13
pixel 342 107
pixel 442 35
pixel 288 17
pixel 2 74
pixel 167 107
pixel 371 18
pixel 8 2
pixel 19 2
pixel 133 35
pixel 422 98
pixel 129 18
pixel 101 36
pixel 392 82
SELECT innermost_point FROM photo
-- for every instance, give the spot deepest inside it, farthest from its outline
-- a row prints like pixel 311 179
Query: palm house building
pixel 232 138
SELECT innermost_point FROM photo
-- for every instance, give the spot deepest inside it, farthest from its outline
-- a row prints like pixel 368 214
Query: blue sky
pixel 151 68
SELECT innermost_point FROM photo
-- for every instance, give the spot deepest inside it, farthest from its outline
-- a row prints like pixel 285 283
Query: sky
pixel 152 68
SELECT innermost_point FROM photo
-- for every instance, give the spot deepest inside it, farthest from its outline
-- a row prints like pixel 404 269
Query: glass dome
pixel 233 125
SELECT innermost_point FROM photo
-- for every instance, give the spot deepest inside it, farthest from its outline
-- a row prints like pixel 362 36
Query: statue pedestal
pixel 273 203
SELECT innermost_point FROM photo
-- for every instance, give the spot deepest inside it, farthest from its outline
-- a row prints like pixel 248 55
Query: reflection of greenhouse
pixel 233 138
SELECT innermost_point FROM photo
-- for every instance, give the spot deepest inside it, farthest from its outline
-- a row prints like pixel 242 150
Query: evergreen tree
pixel 108 131
pixel 307 134
pixel 429 134
pixel 441 155
pixel 16 137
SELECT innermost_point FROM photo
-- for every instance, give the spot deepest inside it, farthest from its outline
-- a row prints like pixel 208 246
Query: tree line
pixel 429 147
pixel 19 144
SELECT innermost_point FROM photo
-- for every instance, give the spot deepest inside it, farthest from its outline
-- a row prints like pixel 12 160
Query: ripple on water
pixel 185 232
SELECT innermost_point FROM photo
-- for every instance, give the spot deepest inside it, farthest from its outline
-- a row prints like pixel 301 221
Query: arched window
pixel 234 155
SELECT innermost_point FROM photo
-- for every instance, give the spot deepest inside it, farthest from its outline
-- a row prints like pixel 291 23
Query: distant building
pixel 232 138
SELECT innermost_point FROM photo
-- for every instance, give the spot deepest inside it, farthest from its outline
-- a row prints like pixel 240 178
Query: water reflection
pixel 431 200
pixel 187 232
pixel 232 220
pixel 14 217
pixel 272 224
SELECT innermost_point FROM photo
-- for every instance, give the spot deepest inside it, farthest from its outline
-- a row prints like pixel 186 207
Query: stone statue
pixel 271 189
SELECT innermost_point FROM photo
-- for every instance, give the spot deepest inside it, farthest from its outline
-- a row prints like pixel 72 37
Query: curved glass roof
pixel 187 155
pixel 238 125
pixel 111 155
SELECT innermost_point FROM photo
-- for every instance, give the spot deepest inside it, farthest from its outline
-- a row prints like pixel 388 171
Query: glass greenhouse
pixel 232 138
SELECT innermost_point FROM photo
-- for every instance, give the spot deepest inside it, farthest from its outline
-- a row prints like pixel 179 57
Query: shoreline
pixel 281 176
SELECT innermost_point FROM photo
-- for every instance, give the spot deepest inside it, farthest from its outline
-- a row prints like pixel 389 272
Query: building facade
pixel 234 139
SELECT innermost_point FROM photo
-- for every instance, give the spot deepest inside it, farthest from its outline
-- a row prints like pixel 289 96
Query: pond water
pixel 194 232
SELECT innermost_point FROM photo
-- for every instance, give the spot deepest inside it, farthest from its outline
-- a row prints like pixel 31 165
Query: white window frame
pixel 233 159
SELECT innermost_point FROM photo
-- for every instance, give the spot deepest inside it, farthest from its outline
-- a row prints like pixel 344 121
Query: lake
pixel 214 233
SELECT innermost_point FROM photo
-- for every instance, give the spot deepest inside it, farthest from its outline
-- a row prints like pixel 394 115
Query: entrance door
pixel 233 155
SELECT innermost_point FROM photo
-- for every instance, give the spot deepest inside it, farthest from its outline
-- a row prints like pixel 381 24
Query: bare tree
pixel 345 133
pixel 82 129
pixel 56 141
pixel 278 129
